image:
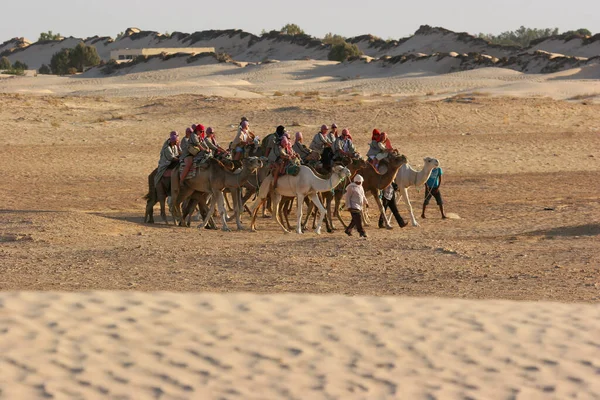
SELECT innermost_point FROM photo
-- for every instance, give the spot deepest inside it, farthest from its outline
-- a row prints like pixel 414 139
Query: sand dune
pixel 244 46
pixel 179 346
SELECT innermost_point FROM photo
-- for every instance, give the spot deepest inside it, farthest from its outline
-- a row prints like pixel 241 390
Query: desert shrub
pixel 60 62
pixel 20 65
pixel 520 37
pixel 49 36
pixel 332 39
pixel 79 58
pixel 72 71
pixel 342 51
pixel 292 29
pixel 277 93
pixel 578 32
pixel 4 63
pixel 83 56
pixel 45 70
pixel 13 71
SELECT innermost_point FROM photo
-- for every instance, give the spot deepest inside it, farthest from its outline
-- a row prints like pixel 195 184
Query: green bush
pixel 20 65
pixel 342 51
pixel 44 70
pixel 77 58
pixel 520 37
pixel 292 29
pixel 330 38
pixel 4 63
pixel 49 36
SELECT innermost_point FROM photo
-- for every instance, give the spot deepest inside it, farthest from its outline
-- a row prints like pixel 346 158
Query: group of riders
pixel 327 146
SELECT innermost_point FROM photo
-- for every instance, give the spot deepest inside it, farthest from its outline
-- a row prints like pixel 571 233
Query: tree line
pixel 524 36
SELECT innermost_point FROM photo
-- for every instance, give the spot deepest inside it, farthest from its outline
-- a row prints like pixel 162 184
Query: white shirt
pixel 355 196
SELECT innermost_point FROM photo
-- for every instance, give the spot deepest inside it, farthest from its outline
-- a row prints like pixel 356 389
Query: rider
pixel 272 144
pixel 321 140
pixel 343 146
pixel 199 130
pixel 284 153
pixel 194 149
pixel 186 140
pixel 169 154
pixel 211 143
pixel 303 151
pixel 333 134
pixel 241 140
pixel 379 148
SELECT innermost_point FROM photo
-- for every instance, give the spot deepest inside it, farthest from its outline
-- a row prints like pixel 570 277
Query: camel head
pixel 341 171
pixel 253 163
pixel 397 160
pixel 430 163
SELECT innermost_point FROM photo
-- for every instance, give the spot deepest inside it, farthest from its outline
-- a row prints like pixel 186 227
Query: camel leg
pixel 254 213
pixel 381 209
pixel 329 218
pixel 322 211
pixel 149 217
pixel 220 200
pixel 211 211
pixel 237 199
pixel 227 201
pixel 163 209
pixel 300 201
pixel 404 194
pixel 309 211
pixel 338 200
pixel 275 203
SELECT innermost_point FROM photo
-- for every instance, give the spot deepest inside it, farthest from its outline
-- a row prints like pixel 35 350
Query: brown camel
pixel 157 194
pixel 374 181
pixel 213 180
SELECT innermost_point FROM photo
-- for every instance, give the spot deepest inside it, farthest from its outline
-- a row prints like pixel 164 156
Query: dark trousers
pixel 356 222
pixel 435 193
pixel 392 205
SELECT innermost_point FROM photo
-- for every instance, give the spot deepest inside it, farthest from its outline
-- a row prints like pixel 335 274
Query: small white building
pixel 130 54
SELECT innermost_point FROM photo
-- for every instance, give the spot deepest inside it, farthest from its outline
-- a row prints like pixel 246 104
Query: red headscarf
pixel 384 139
pixel 376 135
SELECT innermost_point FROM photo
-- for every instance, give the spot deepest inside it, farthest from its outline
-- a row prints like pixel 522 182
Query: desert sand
pixel 243 346
pixel 490 304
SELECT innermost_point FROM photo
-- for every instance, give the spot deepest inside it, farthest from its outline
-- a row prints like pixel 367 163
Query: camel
pixel 407 177
pixel 213 180
pixel 157 194
pixel 374 181
pixel 306 183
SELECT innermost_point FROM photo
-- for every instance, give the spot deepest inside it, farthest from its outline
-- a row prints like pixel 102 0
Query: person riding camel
pixel 250 133
pixel 210 141
pixel 194 149
pixel 303 151
pixel 272 143
pixel 284 153
pixel 379 148
pixel 169 157
pixel 321 140
pixel 186 140
pixel 333 133
pixel 199 130
pixel 242 139
pixel 344 147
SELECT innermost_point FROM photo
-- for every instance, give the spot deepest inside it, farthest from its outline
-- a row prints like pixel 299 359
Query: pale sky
pixel 384 18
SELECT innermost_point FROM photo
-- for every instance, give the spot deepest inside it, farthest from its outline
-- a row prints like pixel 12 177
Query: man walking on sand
pixel 432 188
pixel 355 199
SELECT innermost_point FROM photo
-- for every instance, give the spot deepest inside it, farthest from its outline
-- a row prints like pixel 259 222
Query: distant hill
pixel 428 45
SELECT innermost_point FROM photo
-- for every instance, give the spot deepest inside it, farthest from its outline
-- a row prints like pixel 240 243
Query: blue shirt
pixel 434 179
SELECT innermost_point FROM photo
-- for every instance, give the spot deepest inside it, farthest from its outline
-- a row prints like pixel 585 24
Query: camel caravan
pixel 196 173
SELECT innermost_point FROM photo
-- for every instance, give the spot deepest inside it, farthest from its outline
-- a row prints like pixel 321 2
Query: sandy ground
pixel 520 173
pixel 202 346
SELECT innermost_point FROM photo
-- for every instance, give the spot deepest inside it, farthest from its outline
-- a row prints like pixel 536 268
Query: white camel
pixel 407 177
pixel 306 183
